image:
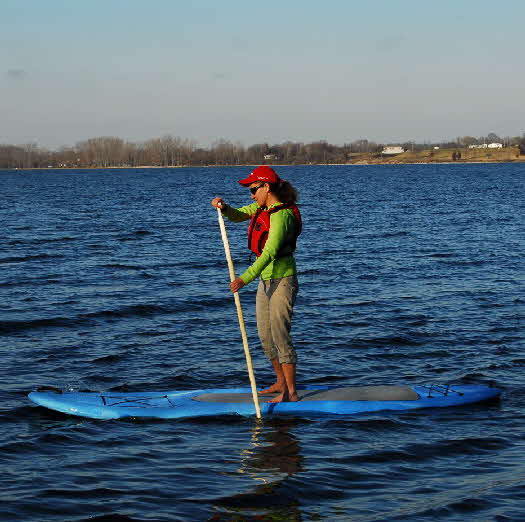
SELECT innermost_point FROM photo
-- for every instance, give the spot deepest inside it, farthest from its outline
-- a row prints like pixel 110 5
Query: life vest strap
pixel 259 229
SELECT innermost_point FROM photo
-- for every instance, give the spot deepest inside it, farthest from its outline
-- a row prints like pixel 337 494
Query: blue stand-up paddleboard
pixel 315 400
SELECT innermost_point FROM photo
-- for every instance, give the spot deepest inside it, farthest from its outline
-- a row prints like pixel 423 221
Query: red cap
pixel 262 173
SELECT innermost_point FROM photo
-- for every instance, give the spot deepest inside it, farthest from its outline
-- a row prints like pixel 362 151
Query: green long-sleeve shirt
pixel 282 230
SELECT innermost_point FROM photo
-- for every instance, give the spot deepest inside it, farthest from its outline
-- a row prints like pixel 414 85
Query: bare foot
pixel 284 397
pixel 274 388
pixel 294 397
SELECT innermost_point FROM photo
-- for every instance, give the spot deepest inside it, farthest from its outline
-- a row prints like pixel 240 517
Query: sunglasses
pixel 253 190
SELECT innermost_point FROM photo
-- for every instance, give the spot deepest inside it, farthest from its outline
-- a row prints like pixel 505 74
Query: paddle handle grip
pixel 240 315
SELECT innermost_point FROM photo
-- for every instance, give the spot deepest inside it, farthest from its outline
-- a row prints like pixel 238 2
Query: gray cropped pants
pixel 274 310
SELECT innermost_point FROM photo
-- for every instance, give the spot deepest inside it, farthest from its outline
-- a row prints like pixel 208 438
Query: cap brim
pixel 248 181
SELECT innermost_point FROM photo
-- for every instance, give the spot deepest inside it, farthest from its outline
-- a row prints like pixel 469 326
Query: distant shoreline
pixel 170 152
pixel 361 163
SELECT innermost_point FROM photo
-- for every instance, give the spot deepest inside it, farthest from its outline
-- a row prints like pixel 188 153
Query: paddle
pixel 239 314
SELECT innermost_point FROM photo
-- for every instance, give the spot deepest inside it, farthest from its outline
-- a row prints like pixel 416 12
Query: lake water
pixel 116 280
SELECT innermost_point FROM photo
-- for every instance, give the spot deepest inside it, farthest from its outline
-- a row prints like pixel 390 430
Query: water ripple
pixel 116 280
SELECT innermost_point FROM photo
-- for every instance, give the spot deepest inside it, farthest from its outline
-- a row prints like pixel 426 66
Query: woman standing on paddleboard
pixel 275 224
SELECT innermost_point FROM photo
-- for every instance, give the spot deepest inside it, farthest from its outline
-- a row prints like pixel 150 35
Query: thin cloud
pixel 16 74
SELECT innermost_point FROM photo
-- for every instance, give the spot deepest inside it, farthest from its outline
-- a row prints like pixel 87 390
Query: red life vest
pixel 259 228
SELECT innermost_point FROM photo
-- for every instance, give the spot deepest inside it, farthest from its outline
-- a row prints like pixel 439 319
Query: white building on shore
pixel 487 146
pixel 392 150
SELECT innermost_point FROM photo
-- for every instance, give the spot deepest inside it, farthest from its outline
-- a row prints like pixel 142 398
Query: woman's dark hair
pixel 285 191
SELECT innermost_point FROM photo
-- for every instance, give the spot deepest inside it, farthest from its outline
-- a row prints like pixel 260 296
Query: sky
pixel 253 72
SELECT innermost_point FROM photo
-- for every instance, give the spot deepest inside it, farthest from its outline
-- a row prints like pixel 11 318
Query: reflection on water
pixel 273 450
pixel 272 457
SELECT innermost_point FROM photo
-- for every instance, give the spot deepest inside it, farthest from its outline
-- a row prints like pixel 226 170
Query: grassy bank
pixel 462 155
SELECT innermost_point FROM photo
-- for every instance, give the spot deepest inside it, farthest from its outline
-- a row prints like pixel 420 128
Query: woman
pixel 275 224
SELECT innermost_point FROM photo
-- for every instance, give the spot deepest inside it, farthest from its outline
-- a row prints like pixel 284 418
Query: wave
pixel 36 257
pixel 86 319
pixel 424 452
pixel 127 311
pixel 52 322
pixel 31 282
pixel 311 271
pixel 40 241
pixel 326 379
pixel 384 235
pixel 113 517
pixel 142 310
pixel 133 236
pixel 440 255
pixel 15 414
pixel 394 340
pixel 468 262
pixel 124 267
pixel 107 359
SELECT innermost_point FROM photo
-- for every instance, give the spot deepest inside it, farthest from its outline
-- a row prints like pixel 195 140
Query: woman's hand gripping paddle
pixel 239 314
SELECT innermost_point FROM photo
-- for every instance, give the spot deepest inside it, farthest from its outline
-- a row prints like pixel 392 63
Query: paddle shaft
pixel 240 316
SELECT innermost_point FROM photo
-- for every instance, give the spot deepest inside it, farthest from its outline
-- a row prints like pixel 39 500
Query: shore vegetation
pixel 170 151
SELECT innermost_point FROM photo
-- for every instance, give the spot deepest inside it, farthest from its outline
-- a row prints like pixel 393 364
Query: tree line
pixel 170 151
